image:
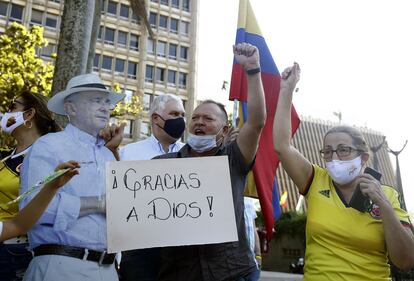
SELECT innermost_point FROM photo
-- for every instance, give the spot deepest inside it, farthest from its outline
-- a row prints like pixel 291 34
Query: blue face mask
pixel 202 143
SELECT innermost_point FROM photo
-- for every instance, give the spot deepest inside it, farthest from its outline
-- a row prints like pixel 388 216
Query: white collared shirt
pixel 147 149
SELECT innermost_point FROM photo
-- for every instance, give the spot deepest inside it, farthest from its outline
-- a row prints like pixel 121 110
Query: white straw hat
pixel 81 83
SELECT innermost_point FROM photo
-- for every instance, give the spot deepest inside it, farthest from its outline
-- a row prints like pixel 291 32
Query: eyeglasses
pixel 342 151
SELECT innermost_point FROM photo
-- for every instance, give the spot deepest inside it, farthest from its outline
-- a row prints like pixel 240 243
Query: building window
pixel 16 12
pixel 103 2
pixel 149 73
pixel 3 9
pixel 163 22
pixel 100 32
pixel 120 66
pixel 161 47
pixel 124 11
pixel 186 5
pixel 132 69
pixel 153 19
pixel 164 2
pixel 184 27
pixel 171 76
pixel 172 52
pixel 150 46
pixel 96 62
pixel 122 39
pixel 145 131
pixel 159 74
pixel 37 17
pixel 146 99
pixel 109 36
pixel 134 18
pixel 107 63
pixel 174 25
pixel 51 21
pixel 133 42
pixel 183 53
pixel 128 129
pixel 175 3
pixel 128 95
pixel 182 80
pixel 49 50
pixel 112 7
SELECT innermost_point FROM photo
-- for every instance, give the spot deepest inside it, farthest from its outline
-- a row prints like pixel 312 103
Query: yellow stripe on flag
pixel 250 190
pixel 283 199
pixel 247 19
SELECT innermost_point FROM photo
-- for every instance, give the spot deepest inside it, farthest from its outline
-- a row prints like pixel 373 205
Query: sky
pixel 356 57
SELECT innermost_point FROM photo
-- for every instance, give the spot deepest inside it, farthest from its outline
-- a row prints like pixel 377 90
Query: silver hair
pixel 357 137
pixel 159 103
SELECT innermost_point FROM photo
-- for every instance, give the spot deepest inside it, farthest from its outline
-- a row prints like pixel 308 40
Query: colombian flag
pixel 263 179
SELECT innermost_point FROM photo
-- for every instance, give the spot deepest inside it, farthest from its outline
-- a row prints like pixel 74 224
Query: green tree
pixel 20 68
pixel 76 49
pixel 125 109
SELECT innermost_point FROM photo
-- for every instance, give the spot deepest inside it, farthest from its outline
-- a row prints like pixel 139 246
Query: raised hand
pixel 290 77
pixel 247 56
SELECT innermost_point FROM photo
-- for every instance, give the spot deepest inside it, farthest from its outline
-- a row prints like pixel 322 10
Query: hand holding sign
pixel 169 202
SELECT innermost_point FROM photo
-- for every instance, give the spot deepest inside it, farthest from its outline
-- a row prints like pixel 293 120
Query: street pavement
pixel 279 276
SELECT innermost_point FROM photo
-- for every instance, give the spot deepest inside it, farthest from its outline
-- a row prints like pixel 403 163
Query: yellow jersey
pixel 9 182
pixel 341 242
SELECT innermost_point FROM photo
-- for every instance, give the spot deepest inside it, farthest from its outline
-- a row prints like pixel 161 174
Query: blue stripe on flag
pixel 266 60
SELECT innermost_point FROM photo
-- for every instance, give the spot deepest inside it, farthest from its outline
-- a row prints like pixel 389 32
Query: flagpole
pixel 235 113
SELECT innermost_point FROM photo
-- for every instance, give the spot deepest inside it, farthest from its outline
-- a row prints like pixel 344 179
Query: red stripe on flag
pixel 238 86
pixel 266 163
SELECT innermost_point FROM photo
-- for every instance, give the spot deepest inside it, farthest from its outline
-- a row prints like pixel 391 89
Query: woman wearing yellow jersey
pixel 342 243
pixel 24 220
pixel 26 120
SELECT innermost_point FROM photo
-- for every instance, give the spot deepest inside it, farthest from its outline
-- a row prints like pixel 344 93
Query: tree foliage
pixel 292 224
pixel 124 108
pixel 21 69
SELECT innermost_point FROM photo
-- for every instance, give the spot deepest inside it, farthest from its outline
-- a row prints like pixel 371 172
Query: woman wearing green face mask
pixel 26 120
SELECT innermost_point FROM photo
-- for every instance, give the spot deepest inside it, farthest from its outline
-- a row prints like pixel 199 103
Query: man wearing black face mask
pixel 167 125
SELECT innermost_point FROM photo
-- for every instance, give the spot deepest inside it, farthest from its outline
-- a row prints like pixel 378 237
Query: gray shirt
pixel 214 262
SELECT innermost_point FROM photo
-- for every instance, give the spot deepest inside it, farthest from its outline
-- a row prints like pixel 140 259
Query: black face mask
pixel 174 127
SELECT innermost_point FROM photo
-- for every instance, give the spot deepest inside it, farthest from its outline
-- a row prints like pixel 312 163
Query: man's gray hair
pixel 159 103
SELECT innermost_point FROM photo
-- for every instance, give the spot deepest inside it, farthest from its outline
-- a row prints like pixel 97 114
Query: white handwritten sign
pixel 169 202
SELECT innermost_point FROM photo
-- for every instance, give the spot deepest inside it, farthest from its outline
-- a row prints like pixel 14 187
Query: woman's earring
pixel 28 124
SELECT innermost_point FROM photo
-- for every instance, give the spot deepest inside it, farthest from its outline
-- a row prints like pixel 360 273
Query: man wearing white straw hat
pixel 69 240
